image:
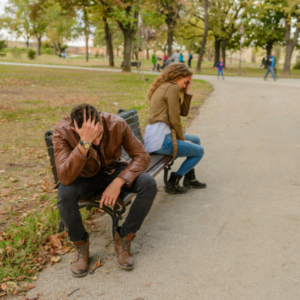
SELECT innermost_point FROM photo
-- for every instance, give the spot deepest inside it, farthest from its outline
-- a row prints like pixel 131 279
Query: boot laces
pixel 80 251
pixel 125 245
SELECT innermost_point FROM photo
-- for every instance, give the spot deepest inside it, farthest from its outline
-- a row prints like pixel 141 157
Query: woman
pixel 170 98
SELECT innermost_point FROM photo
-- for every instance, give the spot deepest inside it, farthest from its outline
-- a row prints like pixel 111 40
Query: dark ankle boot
pixel 173 186
pixel 80 262
pixel 190 181
pixel 122 247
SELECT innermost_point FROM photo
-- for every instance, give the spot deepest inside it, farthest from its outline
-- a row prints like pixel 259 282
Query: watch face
pixel 86 146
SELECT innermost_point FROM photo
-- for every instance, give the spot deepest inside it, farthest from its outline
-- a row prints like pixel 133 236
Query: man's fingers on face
pixel 76 126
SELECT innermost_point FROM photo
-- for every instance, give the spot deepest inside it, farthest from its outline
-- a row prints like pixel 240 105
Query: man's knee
pixel 147 183
pixel 67 194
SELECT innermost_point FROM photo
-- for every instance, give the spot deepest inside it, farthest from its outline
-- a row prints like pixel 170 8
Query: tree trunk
pixel 209 52
pixel 109 45
pixel 290 44
pixel 27 43
pixel 269 47
pixel 224 51
pixel 217 50
pixel 170 39
pixel 148 53
pixel 54 48
pixel 59 48
pixel 203 42
pixel 86 33
pixel 127 53
pixel 38 45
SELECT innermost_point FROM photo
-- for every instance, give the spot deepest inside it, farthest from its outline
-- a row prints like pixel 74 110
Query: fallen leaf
pixel 3 286
pixel 101 294
pixel 23 265
pixel 107 272
pixel 56 242
pixel 13 179
pixel 67 249
pixel 29 271
pixel 109 258
pixel 55 259
pixel 97 265
pixel 3 212
pixel 149 283
pixel 2 171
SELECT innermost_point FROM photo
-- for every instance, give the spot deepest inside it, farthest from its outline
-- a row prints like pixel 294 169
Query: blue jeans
pixel 192 151
pixel 270 70
pixel 220 71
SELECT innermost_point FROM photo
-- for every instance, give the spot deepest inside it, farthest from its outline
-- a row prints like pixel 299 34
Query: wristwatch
pixel 85 145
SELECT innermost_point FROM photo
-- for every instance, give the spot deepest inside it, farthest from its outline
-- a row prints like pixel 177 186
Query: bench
pixel 158 163
pixel 133 64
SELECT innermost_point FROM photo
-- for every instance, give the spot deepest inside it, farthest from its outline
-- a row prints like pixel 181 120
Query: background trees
pixel 132 25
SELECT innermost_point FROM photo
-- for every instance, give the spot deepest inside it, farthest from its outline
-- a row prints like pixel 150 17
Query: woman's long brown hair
pixel 171 73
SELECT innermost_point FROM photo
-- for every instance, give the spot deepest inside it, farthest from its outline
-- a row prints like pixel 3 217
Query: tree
pixel 126 13
pixel 17 19
pixel 263 26
pixel 60 24
pixel 292 20
pixel 223 20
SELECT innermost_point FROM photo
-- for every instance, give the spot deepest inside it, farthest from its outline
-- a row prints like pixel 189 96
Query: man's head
pixel 78 111
pixel 273 53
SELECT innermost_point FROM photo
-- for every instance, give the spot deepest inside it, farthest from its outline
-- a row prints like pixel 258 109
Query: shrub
pixel 297 65
pixel 2 45
pixel 16 52
pixel 47 51
pixel 31 54
pixel 97 54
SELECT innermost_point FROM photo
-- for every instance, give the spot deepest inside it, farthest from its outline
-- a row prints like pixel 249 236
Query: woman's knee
pixel 193 138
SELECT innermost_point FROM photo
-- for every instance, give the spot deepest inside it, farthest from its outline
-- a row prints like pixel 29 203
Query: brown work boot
pixel 80 262
pixel 122 247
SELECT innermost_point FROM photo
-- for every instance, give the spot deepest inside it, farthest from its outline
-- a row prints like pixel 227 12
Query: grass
pixel 248 69
pixel 33 100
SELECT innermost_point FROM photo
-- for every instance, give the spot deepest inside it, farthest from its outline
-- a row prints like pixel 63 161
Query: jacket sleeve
pixel 140 159
pixel 185 106
pixel 217 65
pixel 69 162
pixel 172 98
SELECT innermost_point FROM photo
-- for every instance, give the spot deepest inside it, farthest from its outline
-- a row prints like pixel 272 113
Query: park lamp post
pixel 241 34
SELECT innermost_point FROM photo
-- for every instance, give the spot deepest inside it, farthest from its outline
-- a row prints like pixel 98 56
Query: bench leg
pixel 166 171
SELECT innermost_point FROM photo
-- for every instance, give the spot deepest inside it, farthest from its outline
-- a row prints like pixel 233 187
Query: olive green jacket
pixel 166 106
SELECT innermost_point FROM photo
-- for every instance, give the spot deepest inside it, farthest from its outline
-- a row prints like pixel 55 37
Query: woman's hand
pixel 188 86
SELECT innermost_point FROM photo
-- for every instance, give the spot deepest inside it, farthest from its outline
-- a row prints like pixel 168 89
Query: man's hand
pixel 89 130
pixel 111 193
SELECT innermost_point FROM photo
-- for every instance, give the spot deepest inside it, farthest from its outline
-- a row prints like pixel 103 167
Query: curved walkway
pixel 236 240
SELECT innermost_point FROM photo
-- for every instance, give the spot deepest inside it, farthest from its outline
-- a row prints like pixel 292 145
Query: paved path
pixel 236 240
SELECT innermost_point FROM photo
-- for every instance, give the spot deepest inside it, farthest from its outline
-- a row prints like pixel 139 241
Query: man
pixel 175 57
pixel 154 59
pixel 87 150
pixel 270 62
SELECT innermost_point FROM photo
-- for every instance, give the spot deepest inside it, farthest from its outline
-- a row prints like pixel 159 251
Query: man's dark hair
pixel 77 114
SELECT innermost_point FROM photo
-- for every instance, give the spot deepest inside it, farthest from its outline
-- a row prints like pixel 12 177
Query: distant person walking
pixel 175 57
pixel 270 62
pixel 153 60
pixel 220 66
pixel 180 58
pixel 190 60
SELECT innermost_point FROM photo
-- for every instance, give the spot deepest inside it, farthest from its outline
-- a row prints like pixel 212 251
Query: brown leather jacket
pixel 116 133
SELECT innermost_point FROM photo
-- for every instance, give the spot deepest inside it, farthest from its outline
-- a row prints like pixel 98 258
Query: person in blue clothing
pixel 190 59
pixel 180 58
pixel 270 62
pixel 220 66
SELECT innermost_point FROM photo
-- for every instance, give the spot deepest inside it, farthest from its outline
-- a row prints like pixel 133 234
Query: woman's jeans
pixel 220 71
pixel 193 151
